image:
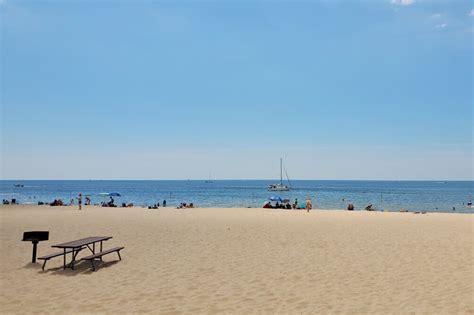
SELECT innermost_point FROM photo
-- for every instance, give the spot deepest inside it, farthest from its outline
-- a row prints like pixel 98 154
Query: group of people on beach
pixel 79 201
pixel 185 205
pixel 157 205
pixel 307 205
pixel 182 205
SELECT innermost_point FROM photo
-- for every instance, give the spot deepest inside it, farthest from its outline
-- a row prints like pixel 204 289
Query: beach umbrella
pixel 112 194
pixel 275 198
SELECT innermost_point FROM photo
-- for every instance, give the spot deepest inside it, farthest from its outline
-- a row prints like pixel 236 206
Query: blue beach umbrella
pixel 112 194
pixel 275 198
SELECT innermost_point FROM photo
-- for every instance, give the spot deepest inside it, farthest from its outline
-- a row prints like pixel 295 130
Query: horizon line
pixel 250 179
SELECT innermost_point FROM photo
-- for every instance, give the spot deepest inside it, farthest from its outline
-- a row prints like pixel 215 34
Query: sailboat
pixel 280 186
pixel 209 180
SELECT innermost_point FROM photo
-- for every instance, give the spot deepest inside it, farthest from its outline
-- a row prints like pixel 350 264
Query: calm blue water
pixel 391 195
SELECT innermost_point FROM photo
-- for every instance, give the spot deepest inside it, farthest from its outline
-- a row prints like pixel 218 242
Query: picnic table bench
pixel 48 257
pixel 92 257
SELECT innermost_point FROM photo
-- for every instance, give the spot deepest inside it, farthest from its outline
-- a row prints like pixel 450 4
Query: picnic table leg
pixel 73 259
pixel 77 252
pixel 101 250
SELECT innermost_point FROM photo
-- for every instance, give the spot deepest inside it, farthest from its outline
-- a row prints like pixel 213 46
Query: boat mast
pixel 281 172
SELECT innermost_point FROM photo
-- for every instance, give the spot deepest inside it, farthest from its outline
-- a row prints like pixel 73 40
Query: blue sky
pixel 171 90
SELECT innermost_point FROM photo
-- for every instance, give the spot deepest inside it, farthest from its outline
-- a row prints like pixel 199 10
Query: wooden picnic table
pixel 76 246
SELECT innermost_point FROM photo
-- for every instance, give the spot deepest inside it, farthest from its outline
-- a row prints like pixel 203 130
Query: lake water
pixel 326 194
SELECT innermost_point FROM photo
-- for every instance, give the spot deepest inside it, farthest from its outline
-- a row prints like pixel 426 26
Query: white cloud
pixel 436 15
pixel 471 13
pixel 441 25
pixel 402 2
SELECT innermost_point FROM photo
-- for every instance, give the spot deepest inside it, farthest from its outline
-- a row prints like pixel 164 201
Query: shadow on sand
pixel 81 267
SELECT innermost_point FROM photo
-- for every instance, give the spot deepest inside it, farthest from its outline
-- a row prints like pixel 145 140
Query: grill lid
pixel 35 236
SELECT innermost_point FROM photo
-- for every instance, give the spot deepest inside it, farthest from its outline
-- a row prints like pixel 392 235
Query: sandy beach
pixel 241 261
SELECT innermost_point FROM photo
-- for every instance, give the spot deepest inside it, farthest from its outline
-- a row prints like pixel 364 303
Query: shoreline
pixel 96 206
pixel 393 195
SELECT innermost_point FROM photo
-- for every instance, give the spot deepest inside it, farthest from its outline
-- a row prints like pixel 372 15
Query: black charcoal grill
pixel 35 237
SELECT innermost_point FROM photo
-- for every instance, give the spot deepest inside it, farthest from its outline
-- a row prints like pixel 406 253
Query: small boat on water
pixel 19 185
pixel 280 186
pixel 208 181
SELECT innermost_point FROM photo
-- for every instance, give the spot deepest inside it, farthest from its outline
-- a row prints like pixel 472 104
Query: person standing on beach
pixel 309 205
pixel 79 201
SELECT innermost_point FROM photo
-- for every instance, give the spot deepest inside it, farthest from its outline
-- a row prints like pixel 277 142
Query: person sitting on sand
pixel 369 207
pixel 57 202
pixel 295 205
pixel 350 207
pixel 88 201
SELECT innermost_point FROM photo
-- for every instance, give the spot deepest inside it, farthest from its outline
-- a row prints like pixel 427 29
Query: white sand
pixel 241 261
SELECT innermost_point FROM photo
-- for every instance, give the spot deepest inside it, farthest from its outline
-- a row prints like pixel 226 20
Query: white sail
pixel 209 180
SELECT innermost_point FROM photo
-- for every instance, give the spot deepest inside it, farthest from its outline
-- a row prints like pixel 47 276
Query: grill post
pixel 33 259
